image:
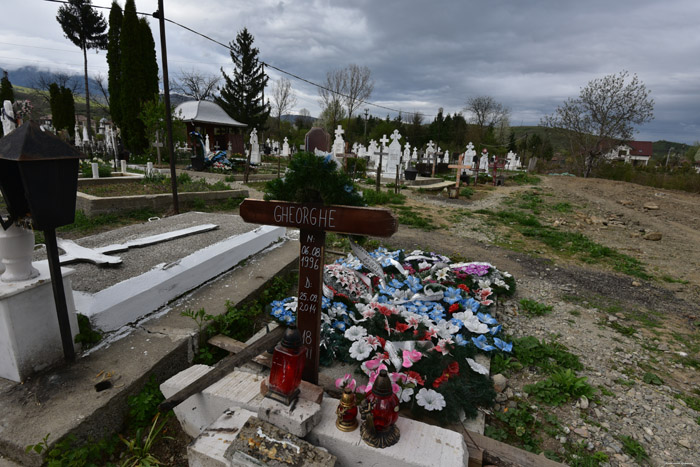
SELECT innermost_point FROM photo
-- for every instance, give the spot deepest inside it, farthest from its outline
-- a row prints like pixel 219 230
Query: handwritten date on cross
pixel 313 221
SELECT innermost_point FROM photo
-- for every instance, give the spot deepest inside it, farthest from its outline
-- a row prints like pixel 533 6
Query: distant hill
pixel 28 76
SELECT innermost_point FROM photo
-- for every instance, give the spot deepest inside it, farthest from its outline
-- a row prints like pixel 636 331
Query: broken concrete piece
pixel 209 448
pixel 653 236
pixel 299 421
pixel 274 447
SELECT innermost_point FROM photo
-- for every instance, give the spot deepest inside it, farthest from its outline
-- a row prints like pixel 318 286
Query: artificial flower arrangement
pixel 424 322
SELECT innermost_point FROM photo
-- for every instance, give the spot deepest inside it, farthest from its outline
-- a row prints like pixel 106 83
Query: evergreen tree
pixel 62 107
pixel 68 107
pixel 116 17
pixel 242 96
pixel 131 84
pixel 149 62
pixel 55 103
pixel 7 93
pixel 85 28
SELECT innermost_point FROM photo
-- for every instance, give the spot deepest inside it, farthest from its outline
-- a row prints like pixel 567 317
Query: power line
pixel 360 102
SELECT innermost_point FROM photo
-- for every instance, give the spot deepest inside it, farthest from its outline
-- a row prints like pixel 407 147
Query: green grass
pixel 632 447
pixel 523 178
pixel 562 386
pixel 409 217
pixel 373 197
pixel 534 308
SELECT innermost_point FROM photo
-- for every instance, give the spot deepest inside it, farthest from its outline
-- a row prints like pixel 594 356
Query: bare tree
pixel 358 87
pixel 486 113
pixel 331 96
pixel 197 85
pixel 44 80
pixel 283 99
pixel 603 116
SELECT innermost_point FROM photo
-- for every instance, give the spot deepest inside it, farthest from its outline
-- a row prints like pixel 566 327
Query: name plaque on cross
pixel 313 221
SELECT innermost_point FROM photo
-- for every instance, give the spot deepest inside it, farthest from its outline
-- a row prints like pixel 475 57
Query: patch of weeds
pixel 517 427
pixel 689 361
pixel 628 331
pixel 523 178
pixel 645 319
pixel 466 192
pixel 673 280
pixel 70 452
pixel 504 365
pixel 531 200
pixel 86 334
pixel 651 378
pixel 534 308
pixel 577 455
pixel 691 401
pixel 690 342
pixel 575 313
pixel 562 207
pixel 518 217
pixel 632 448
pixel 144 405
pixel 373 198
pixel 138 448
pixel 549 356
pixel 409 217
pixel 605 391
pixel 560 387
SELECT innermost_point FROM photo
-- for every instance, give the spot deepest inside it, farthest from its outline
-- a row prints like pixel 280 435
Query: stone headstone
pixel 285 147
pixel 78 141
pixel 372 151
pixel 406 153
pixel 484 161
pixel 394 156
pixel 338 142
pixel 317 138
pixel 7 115
pixel 254 147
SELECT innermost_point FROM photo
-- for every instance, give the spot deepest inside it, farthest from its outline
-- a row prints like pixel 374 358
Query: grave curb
pixel 63 401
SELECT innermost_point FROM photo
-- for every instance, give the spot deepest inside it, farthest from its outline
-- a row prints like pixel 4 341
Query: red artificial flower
pixel 463 287
pixel 438 381
pixel 415 376
pixel 454 307
pixel 386 311
pixel 453 368
pixel 402 327
pixel 382 341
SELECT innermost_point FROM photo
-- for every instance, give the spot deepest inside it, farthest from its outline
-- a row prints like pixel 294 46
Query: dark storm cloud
pixel 529 55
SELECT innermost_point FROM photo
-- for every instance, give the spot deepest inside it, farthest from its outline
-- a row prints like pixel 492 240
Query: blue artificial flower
pixel 436 314
pixel 471 304
pixel 504 346
pixel 460 340
pixel 457 322
pixel 386 262
pixel 289 318
pixel 411 308
pixel 386 290
pixel 339 308
pixel 481 343
pixel 495 330
pixel 396 284
pixel 413 283
pixel 325 302
pixel 423 309
pixel 382 299
pixel 452 295
pixel 328 158
pixel 486 318
pixel 348 188
pixel 340 325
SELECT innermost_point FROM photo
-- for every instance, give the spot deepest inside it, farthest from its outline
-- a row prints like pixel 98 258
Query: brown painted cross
pixel 459 166
pixel 313 220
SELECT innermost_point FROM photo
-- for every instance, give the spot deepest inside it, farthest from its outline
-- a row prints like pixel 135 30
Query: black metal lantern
pixel 39 180
pixel 39 176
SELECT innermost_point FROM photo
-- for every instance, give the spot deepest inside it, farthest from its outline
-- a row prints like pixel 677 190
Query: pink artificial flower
pixel 410 357
pixel 413 322
pixel 373 341
pixel 345 381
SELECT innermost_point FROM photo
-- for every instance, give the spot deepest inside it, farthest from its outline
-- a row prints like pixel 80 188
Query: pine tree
pixel 68 108
pixel 242 96
pixel 85 28
pixel 131 69
pixel 116 17
pixel 62 107
pixel 149 62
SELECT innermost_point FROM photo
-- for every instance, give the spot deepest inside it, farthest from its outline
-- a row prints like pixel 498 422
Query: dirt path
pixel 622 328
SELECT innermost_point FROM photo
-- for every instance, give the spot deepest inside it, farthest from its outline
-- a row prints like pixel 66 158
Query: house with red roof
pixel 632 152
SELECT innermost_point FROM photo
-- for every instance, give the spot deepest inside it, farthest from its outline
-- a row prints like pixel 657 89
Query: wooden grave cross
pixel 384 140
pixel 460 165
pixel 313 221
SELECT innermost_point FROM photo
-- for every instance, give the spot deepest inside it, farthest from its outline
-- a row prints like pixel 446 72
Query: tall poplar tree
pixel 116 17
pixel 62 107
pixel 242 96
pixel 149 62
pixel 85 28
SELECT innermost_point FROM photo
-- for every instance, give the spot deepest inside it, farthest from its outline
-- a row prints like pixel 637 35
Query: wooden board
pixel 344 219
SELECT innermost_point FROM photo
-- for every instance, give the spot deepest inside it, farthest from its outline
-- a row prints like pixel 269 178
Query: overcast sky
pixel 528 54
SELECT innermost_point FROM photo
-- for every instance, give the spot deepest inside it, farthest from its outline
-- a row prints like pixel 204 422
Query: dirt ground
pixel 621 327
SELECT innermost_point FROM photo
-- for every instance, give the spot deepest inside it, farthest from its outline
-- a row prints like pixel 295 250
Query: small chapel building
pixel 208 118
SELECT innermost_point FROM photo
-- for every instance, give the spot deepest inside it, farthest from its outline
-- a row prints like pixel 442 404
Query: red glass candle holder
pixel 380 411
pixel 287 365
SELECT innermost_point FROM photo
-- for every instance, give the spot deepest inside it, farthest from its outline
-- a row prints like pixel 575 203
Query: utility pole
pixel 366 114
pixel 166 95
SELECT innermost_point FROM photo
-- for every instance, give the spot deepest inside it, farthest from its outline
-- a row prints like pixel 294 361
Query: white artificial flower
pixel 478 367
pixel 446 329
pixel 474 325
pixel 406 394
pixel 354 333
pixel 501 283
pixel 441 275
pixel 360 349
pixel 430 399
pixel 423 265
pixel 484 283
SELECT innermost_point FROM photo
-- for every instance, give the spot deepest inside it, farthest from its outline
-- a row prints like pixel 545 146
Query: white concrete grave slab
pixel 133 298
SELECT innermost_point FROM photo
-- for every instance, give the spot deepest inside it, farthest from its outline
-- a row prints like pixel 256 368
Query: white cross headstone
pixel 415 153
pixel 86 136
pixel 338 143
pixel 384 140
pixel 394 156
pixel 406 153
pixel 206 146
pixel 372 151
pixel 447 156
pixel 354 147
pixel 285 147
pixel 484 161
pixel 78 141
